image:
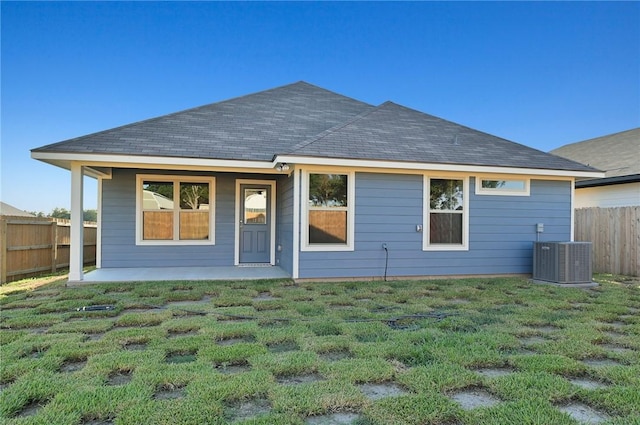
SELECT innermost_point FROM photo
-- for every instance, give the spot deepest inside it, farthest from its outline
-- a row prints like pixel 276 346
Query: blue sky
pixel 541 74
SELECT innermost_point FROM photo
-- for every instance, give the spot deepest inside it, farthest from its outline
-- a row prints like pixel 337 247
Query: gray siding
pixel 501 231
pixel 119 247
pixel 284 223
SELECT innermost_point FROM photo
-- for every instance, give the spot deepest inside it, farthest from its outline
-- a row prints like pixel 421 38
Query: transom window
pixel 446 215
pixel 328 211
pixel 175 209
pixel 502 186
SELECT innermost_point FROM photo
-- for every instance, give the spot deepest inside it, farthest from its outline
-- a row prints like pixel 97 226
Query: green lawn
pixel 474 351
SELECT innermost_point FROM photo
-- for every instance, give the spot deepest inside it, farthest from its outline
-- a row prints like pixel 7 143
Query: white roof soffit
pixel 96 161
pixel 421 166
pixel 64 160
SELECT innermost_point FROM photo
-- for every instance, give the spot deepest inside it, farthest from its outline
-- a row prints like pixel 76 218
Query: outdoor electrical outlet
pixel 384 246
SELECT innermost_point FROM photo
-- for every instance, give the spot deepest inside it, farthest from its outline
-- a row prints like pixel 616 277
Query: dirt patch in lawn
pixel 545 329
pixel 613 334
pixel 584 414
pixel 601 362
pixel 532 340
pixel 36 352
pixel 232 341
pixel 31 409
pixel 587 384
pixel 94 336
pixel 474 398
pixel 176 334
pixel 616 324
pixel 248 410
pixel 273 323
pixel 333 419
pixel 282 347
pixel 300 379
pixel 458 301
pixel 73 366
pixel 495 372
pixel 188 303
pixel 181 357
pixel 379 391
pixel 265 296
pixel 334 356
pixel 169 392
pixel 231 369
pixel 120 378
pixel 135 346
pixel 618 349
pixel 97 422
pixel 138 311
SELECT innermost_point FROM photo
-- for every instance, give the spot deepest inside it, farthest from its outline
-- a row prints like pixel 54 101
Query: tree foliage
pixel 446 194
pixel 328 190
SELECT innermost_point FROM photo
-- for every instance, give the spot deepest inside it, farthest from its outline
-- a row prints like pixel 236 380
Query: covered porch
pixel 150 274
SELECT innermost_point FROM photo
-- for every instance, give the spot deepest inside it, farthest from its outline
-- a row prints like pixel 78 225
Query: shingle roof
pixel 396 133
pixel 616 154
pixel 6 209
pixel 301 119
pixel 252 127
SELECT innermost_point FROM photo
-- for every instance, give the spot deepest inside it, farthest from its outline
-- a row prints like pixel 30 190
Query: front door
pixel 255 219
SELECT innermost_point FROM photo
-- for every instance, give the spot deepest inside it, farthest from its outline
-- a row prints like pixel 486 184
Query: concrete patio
pixel 183 273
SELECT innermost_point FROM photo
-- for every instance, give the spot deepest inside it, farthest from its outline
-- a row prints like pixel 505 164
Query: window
pixel 175 210
pixel 502 186
pixel 446 214
pixel 328 216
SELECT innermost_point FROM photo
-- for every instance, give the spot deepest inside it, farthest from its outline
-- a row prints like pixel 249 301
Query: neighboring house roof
pixel 303 120
pixel 618 155
pixel 6 209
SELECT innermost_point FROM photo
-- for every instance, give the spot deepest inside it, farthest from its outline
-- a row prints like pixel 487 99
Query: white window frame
pixel 499 191
pixel 176 180
pixel 350 209
pixel 426 210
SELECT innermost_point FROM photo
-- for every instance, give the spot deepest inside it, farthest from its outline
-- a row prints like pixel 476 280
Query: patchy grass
pixel 275 352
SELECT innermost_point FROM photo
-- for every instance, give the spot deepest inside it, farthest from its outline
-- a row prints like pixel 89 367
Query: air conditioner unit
pixel 562 262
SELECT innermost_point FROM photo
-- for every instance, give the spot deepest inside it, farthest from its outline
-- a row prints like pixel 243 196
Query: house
pixel 618 155
pixel 320 185
pixel 6 209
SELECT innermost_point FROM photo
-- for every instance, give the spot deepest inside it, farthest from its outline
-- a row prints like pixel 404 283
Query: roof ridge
pixel 333 129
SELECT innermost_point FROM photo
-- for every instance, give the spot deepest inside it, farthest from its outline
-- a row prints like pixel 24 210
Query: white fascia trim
pixel 147 161
pixel 397 165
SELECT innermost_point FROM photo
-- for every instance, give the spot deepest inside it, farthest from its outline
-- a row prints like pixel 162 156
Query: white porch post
pixel 76 254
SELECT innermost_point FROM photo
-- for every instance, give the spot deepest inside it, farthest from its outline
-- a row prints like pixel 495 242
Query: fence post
pixel 3 251
pixel 54 246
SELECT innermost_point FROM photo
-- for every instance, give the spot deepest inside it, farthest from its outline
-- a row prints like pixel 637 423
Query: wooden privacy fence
pixel 615 234
pixel 32 245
